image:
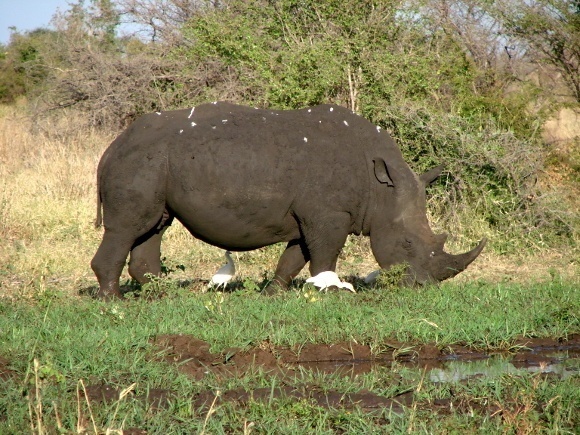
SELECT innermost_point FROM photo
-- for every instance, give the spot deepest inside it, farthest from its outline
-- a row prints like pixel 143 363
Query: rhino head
pixel 400 231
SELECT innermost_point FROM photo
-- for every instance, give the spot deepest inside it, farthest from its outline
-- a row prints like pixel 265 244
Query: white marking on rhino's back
pixel 193 124
pixel 345 123
pixel 305 139
pixel 191 113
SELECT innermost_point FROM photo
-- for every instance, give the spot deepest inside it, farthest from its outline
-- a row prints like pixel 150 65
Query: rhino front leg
pixel 291 262
pixel 325 238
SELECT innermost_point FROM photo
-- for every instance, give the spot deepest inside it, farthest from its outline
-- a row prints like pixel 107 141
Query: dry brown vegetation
pixel 48 204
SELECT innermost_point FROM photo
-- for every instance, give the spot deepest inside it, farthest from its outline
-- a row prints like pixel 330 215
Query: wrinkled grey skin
pixel 241 178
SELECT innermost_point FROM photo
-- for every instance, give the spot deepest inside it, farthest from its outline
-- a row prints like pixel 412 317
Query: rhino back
pixel 253 171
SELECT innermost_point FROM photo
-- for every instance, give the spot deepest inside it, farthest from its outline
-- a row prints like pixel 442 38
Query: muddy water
pixel 553 357
pixel 562 361
pixel 557 364
pixel 560 358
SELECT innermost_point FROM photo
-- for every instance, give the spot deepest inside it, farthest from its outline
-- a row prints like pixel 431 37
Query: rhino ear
pixel 431 175
pixel 382 172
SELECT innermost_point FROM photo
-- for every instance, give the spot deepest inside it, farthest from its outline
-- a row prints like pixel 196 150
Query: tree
pixel 105 20
pixel 112 80
pixel 162 20
pixel 22 63
pixel 550 32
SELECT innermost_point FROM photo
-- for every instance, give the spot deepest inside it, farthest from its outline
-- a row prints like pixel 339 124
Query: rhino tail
pixel 99 219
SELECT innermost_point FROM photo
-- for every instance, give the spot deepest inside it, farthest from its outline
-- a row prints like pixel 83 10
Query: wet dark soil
pixel 193 357
pixel 154 398
pixel 366 400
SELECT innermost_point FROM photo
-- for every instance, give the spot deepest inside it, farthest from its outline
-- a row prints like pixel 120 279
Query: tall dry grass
pixel 48 205
pixel 47 198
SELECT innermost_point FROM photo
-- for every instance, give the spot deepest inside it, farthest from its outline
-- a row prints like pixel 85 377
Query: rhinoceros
pixel 241 178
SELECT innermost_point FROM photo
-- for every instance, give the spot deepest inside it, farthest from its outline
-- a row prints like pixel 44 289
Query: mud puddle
pixel 451 364
pixel 562 361
pixel 559 358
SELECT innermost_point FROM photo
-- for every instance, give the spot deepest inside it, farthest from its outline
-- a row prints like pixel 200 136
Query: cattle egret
pixel 372 277
pixel 328 279
pixel 224 273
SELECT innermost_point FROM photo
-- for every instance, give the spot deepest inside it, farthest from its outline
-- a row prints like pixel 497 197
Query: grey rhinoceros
pixel 241 178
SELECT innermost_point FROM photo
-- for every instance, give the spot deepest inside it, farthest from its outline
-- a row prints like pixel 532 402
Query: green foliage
pixel 292 54
pixel 52 353
pixel 22 66
pixel 392 277
pixel 397 68
pixel 105 20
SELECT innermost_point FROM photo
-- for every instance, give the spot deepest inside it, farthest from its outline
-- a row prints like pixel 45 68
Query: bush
pixel 390 62
pixel 402 73
pixel 22 67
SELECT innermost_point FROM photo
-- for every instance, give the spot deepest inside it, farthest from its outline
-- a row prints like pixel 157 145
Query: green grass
pixel 82 339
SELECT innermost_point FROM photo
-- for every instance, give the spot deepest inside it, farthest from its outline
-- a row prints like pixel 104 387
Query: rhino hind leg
pixel 291 262
pixel 145 256
pixel 124 233
pixel 109 261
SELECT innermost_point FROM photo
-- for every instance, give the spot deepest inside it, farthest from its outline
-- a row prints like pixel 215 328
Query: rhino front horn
pixel 461 261
pixel 468 257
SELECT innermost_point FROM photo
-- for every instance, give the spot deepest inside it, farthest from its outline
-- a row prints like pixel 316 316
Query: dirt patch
pixel 193 357
pixel 366 400
pixel 562 127
pixel 154 398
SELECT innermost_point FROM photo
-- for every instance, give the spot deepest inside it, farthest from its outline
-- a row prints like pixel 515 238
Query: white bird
pixel 224 273
pixel 328 279
pixel 372 277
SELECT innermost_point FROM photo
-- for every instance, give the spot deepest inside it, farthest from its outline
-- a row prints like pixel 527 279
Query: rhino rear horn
pixel 441 239
pixel 431 175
